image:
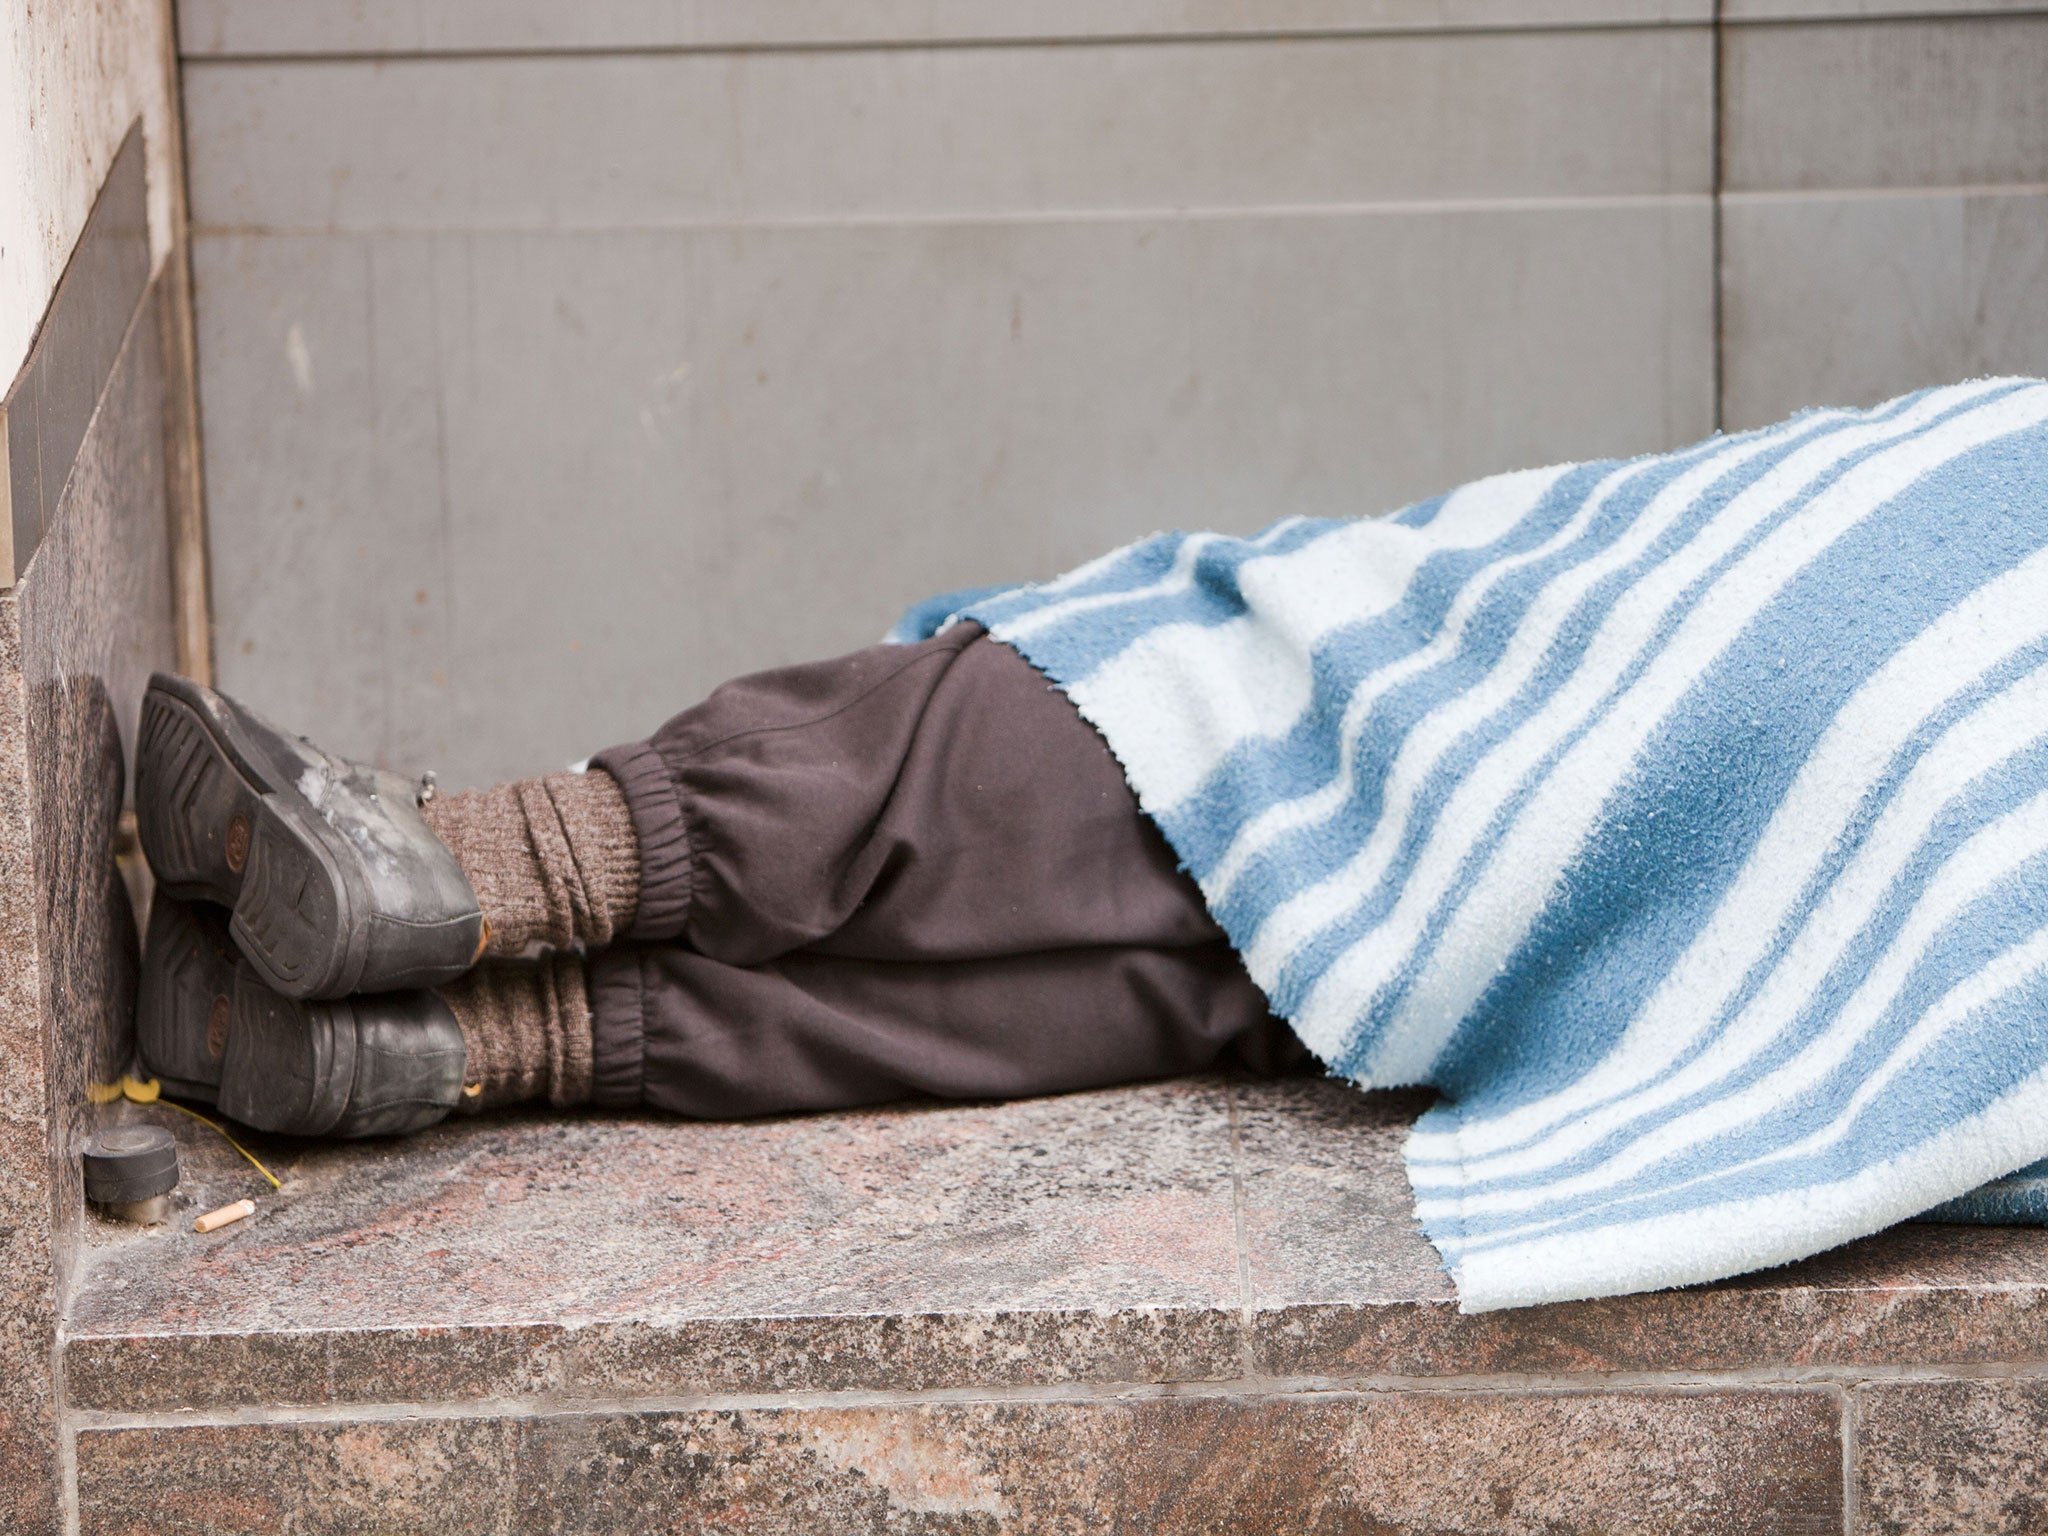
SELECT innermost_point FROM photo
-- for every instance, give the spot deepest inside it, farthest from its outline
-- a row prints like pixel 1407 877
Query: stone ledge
pixel 1185 1307
pixel 1092 1239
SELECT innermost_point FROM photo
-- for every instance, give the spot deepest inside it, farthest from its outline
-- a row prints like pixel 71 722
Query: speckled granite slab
pixel 1189 1306
pixel 85 616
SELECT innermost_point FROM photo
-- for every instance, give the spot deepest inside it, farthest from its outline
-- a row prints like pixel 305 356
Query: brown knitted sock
pixel 554 861
pixel 526 1024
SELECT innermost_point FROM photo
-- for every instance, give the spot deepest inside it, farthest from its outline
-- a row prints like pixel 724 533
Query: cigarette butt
pixel 224 1215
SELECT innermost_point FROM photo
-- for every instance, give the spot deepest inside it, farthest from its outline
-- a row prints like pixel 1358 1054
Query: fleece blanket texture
pixel 1683 820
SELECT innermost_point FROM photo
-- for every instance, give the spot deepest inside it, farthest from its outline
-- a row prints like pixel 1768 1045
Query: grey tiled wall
pixel 559 362
pixel 1885 222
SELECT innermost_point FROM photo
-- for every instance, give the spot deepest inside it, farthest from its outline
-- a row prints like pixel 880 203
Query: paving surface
pixel 1205 1302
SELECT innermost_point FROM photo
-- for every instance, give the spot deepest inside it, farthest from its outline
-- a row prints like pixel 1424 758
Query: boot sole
pixel 179 976
pixel 220 823
pixel 325 1069
pixel 290 1063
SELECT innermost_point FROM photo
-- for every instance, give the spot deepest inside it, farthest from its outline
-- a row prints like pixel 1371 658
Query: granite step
pixel 1190 1306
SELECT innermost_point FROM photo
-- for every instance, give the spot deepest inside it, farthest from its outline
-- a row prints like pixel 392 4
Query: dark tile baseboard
pixel 52 400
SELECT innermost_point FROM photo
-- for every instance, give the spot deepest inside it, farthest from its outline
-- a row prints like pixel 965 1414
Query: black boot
pixel 337 884
pixel 209 1029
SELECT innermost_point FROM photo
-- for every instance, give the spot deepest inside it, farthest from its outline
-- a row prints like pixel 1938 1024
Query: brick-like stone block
pixel 1952 1458
pixel 448 1477
pixel 1743 1460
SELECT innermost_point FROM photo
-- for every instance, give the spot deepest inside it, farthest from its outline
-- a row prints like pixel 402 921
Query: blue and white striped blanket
pixel 1684 820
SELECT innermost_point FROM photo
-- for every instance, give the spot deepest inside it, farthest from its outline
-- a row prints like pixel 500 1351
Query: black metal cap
pixel 130 1162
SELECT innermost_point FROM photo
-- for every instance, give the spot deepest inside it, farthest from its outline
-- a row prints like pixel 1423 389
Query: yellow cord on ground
pixel 151 1093
pixel 254 1161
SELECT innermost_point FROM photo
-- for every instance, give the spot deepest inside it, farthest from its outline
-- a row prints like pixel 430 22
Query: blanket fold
pixel 1684 820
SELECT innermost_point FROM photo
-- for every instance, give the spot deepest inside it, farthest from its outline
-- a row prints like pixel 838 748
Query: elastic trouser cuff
pixel 618 1029
pixel 667 872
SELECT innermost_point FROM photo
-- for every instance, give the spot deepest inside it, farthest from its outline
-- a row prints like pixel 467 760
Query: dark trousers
pixel 910 871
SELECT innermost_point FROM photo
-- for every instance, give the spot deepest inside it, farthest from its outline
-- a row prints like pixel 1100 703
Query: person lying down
pixel 1682 820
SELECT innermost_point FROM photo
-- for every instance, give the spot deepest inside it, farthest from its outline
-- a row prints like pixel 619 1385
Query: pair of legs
pixel 910 871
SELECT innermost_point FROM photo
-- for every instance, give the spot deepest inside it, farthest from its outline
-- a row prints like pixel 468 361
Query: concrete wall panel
pixel 1886 104
pixel 613 349
pixel 1854 300
pixel 491 501
pixel 544 392
pixel 876 134
pixel 1886 223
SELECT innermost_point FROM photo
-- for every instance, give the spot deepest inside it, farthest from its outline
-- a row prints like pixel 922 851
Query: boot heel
pixel 195 811
pixel 337 883
pixel 292 920
pixel 290 1066
pixel 182 999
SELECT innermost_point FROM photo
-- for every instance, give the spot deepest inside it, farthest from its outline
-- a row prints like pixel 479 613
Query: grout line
pixel 1064 41
pixel 1718 298
pixel 1833 1381
pixel 373 56
pixel 683 1328
pixel 1713 197
pixel 1852 1492
pixel 1922 192
pixel 1394 207
pixel 1821 18
pixel 1246 1312
pixel 67 1440
pixel 544 1407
